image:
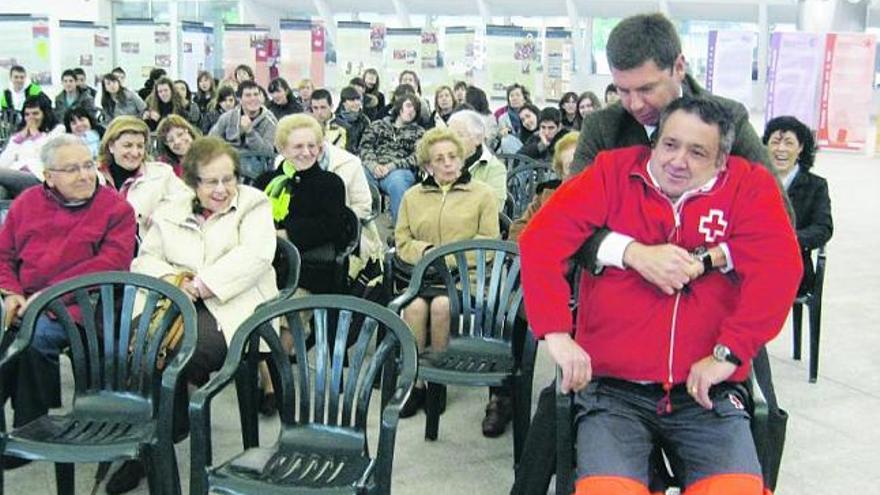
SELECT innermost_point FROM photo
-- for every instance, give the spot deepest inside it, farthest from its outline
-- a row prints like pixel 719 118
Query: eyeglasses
pixel 214 182
pixel 85 167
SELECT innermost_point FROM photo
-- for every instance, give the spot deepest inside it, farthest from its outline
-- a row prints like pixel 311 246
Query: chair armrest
pixel 564 439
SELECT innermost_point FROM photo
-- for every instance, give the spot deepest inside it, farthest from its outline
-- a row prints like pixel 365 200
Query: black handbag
pixel 769 424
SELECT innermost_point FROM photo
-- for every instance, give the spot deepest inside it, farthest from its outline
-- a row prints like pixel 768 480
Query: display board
pixel 103 53
pixel 142 45
pixel 512 56
pixel 196 51
pixel 78 49
pixel 459 60
pixel 25 41
pixel 729 64
pixel 793 76
pixel 402 52
pixel 246 44
pixel 559 59
pixel 353 47
pixel 846 91
pixel 296 50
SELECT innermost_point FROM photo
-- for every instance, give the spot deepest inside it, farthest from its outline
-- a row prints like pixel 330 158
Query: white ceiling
pixel 779 11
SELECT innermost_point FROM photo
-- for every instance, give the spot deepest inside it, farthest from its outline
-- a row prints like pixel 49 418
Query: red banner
pixel 847 89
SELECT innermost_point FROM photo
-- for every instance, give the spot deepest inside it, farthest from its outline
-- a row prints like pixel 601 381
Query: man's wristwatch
pixel 702 254
pixel 723 354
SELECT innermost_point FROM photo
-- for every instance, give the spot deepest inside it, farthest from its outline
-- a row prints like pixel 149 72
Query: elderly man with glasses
pixel 67 227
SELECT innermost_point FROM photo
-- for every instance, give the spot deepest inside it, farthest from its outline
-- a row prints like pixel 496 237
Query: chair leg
pixel 247 405
pixel 432 410
pixel 522 408
pixel 815 331
pixel 797 312
pixel 64 478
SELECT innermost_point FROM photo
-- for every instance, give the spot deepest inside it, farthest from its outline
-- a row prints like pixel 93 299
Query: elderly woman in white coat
pixel 222 238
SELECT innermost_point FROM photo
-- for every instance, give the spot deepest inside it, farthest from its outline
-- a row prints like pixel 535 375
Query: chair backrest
pixel 352 226
pixel 5 204
pixel 513 161
pixel 287 264
pixel 819 280
pixel 115 325
pixel 522 182
pixel 315 391
pixel 254 165
pixel 483 283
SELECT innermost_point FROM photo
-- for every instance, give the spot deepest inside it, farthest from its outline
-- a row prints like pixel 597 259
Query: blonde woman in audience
pixel 562 158
pixel 165 100
pixel 123 165
pixel 220 236
pixel 444 103
pixel 446 207
pixel 305 89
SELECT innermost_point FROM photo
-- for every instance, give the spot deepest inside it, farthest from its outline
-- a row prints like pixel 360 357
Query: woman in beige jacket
pixel 123 166
pixel 446 207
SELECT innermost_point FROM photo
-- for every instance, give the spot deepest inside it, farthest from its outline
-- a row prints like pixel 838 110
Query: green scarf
pixel 279 194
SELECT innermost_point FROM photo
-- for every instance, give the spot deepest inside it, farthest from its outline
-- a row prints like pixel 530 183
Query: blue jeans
pixel 50 338
pixel 394 185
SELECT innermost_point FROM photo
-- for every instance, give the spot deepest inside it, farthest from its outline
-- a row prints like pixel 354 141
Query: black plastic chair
pixel 5 204
pixel 254 165
pixel 287 264
pixel 522 182
pixel 323 443
pixel 122 406
pixel 813 301
pixel 565 438
pixel 490 344
pixel 513 161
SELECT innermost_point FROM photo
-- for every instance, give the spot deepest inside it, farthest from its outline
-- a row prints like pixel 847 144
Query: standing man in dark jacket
pixel 648 69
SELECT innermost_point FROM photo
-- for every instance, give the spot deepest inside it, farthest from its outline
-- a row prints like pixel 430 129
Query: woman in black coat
pixel 792 151
pixel 308 202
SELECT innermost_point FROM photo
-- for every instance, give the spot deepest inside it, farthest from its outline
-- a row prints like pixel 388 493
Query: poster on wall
pixel 353 48
pixel 142 45
pixel 196 51
pixel 103 53
pixel 241 45
pixel 459 60
pixel 78 49
pixel 847 90
pixel 319 47
pixel 402 52
pixel 512 56
pixel 558 67
pixel 793 76
pixel 729 64
pixel 25 41
pixel 296 50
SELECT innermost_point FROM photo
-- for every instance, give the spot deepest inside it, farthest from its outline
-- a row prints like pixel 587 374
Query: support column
pixel 833 15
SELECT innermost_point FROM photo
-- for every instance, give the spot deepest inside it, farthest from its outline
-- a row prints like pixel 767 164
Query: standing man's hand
pixel 705 373
pixel 667 266
pixel 577 369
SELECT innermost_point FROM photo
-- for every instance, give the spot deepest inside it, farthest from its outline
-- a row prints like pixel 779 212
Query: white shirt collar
pixel 789 177
pixel 704 188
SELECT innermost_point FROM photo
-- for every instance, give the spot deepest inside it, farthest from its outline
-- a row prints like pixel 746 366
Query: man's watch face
pixel 720 353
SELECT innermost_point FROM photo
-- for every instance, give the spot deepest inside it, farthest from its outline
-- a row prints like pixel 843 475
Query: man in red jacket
pixel 67 227
pixel 649 366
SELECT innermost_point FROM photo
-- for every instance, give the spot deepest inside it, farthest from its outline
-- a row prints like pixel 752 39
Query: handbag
pixel 174 334
pixel 769 425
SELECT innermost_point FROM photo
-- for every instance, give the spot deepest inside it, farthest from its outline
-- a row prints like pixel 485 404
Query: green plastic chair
pixel 122 406
pixel 322 446
pixel 490 344
pixel 522 182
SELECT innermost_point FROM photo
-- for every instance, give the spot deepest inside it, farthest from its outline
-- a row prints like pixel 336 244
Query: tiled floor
pixel 832 441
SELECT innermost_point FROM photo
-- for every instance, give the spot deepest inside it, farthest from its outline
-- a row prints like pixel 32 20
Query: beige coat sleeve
pixel 151 256
pixel 243 266
pixel 409 248
pixel 359 197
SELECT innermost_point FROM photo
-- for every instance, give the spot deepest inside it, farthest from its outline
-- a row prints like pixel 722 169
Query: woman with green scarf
pixel 308 202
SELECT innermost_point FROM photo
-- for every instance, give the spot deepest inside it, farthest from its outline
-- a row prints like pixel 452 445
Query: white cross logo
pixel 713 225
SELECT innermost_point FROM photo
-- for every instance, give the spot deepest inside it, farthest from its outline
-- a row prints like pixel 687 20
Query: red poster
pixel 847 87
pixel 317 66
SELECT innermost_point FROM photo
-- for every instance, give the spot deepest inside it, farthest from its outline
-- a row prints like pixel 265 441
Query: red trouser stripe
pixel 610 485
pixel 729 484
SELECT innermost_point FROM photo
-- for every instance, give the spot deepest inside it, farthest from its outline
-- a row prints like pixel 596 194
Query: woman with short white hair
pixel 479 161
